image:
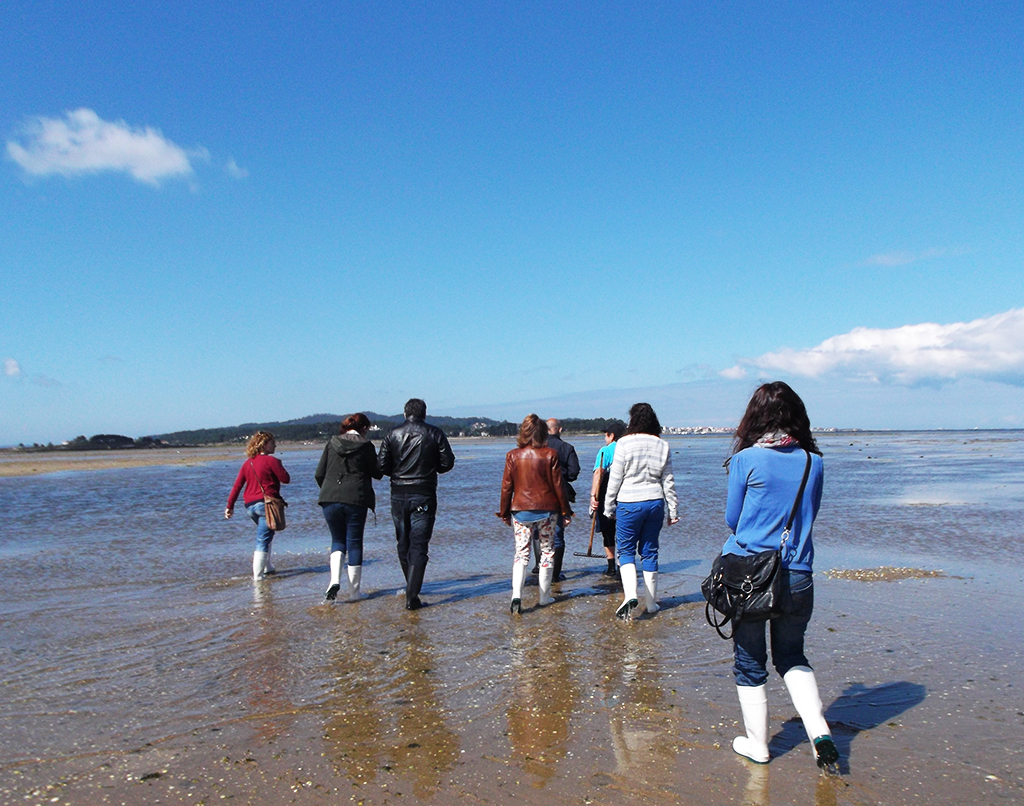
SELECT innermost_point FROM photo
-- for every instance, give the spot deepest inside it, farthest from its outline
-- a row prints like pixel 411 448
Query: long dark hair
pixel 643 420
pixel 774 407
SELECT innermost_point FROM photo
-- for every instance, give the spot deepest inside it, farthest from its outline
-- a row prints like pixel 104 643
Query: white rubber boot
pixel 259 564
pixel 754 706
pixel 629 601
pixel 544 582
pixel 332 590
pixel 651 591
pixel 355 580
pixel 268 566
pixel 518 577
pixel 803 691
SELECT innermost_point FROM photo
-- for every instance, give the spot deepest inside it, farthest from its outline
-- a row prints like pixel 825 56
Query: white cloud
pixel 234 170
pixel 82 143
pixel 12 369
pixel 991 349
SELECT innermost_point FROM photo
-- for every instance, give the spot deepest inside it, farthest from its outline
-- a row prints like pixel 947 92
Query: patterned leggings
pixel 544 530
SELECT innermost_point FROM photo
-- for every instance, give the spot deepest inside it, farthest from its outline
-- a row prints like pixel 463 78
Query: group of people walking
pixel 633 495
pixel 412 454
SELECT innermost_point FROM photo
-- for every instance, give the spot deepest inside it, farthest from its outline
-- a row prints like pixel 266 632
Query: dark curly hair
pixel 643 420
pixel 774 407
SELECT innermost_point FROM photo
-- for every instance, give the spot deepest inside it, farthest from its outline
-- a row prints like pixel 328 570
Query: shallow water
pixel 134 644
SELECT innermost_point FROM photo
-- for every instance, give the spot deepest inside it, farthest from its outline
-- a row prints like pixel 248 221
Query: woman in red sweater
pixel 261 474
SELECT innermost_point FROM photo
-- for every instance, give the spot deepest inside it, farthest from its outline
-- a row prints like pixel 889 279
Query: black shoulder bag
pixel 746 587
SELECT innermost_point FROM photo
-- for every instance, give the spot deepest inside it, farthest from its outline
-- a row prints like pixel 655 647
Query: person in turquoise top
pixel 598 488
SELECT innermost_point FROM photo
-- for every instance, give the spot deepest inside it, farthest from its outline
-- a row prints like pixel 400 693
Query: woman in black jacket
pixel 345 476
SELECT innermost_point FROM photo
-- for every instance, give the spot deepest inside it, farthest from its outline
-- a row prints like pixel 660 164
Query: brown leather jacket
pixel 532 480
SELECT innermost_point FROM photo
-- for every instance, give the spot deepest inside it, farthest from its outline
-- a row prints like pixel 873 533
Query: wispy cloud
pixel 990 348
pixel 12 369
pixel 235 171
pixel 902 257
pixel 83 143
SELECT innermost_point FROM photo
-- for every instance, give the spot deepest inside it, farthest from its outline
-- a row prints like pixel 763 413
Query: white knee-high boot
pixel 518 577
pixel 803 691
pixel 629 601
pixel 754 707
pixel 259 564
pixel 651 591
pixel 544 583
pixel 355 580
pixel 332 590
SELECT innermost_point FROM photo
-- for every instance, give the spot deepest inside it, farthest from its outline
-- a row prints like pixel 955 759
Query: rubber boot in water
pixel 629 602
pixel 544 583
pixel 754 706
pixel 259 564
pixel 355 579
pixel 518 576
pixel 651 591
pixel 803 690
pixel 413 585
pixel 556 571
pixel 332 589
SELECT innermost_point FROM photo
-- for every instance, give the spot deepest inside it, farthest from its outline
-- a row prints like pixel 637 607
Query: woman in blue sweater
pixel 769 457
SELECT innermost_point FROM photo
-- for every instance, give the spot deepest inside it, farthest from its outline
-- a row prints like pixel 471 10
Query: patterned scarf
pixel 776 439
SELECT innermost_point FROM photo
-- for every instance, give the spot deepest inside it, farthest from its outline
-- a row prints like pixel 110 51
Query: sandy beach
pixel 17 463
pixel 149 669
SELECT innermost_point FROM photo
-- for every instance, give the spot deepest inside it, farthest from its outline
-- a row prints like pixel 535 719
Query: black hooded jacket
pixel 346 470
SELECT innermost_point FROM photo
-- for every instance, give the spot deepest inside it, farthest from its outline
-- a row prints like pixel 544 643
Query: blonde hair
pixel 257 442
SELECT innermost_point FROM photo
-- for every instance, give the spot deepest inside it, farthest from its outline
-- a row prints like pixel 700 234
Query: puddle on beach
pixel 140 664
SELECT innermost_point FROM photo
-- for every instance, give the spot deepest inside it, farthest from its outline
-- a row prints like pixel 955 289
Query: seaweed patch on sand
pixel 885 573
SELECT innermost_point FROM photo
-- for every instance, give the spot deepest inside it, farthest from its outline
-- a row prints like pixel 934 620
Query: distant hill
pixel 320 427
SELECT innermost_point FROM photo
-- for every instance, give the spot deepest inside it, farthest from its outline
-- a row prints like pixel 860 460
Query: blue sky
pixel 220 213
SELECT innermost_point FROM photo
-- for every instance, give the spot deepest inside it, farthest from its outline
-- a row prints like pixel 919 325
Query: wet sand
pixel 368 703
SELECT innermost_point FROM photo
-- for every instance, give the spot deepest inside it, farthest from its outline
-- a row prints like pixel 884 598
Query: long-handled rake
pixel 590 546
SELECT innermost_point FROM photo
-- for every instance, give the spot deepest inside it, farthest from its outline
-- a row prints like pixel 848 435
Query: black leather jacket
pixel 413 453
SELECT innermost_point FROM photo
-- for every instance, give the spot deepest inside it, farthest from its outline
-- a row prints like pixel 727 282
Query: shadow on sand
pixel 856 709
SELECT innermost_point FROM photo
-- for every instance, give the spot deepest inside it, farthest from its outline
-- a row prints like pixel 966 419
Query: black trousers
pixel 413 514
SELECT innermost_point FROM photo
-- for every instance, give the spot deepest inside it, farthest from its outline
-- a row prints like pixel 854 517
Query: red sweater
pixel 261 469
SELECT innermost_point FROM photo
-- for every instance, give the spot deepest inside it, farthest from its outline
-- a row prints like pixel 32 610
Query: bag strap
pixel 256 473
pixel 796 503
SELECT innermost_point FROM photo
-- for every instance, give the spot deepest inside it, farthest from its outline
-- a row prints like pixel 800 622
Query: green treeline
pixel 313 428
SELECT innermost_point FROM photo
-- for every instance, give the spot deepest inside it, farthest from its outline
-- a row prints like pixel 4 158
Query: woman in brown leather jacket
pixel 532 498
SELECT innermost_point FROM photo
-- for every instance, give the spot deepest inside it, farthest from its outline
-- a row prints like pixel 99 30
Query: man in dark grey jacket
pixel 413 454
pixel 570 464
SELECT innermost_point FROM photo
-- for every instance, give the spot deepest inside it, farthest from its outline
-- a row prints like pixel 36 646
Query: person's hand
pixel 673 521
pixel 566 520
pixel 507 519
pixel 228 512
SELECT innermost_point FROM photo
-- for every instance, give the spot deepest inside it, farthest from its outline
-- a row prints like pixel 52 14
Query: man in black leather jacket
pixel 412 454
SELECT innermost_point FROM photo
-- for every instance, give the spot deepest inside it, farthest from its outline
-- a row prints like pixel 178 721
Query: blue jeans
pixel 750 651
pixel 346 522
pixel 637 526
pixel 560 533
pixel 264 534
